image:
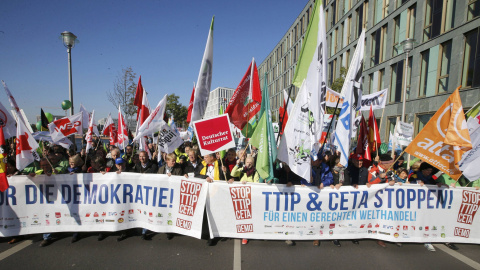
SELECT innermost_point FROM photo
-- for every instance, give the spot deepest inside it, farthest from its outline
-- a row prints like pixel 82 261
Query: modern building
pixel 219 97
pixel 446 53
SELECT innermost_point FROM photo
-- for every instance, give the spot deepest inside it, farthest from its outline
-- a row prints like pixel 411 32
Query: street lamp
pixel 69 40
pixel 407 48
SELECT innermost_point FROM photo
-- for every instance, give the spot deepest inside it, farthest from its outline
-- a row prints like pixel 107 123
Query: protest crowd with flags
pixel 312 148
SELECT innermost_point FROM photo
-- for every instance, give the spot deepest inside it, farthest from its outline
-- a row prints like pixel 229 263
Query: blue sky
pixel 163 41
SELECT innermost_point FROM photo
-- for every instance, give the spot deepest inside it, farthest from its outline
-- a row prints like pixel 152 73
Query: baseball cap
pixel 356 156
pixel 119 160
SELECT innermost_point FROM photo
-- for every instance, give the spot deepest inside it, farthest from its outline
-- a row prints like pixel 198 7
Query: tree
pixel 123 93
pixel 177 110
pixel 337 87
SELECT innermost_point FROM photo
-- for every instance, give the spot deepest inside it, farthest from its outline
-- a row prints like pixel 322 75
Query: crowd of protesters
pixel 232 166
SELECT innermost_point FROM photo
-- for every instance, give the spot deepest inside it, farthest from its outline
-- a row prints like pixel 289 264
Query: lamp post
pixel 69 40
pixel 407 48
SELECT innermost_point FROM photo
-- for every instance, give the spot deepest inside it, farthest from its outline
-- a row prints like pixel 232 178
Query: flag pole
pixel 401 154
pixel 284 111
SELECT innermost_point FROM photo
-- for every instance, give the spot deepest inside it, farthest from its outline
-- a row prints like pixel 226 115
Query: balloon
pixel 49 117
pixel 39 125
pixel 66 104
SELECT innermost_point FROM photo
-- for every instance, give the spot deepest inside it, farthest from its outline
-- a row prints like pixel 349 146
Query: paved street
pixel 188 253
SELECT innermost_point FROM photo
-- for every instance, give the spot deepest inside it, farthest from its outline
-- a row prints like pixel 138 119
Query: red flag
pixel 190 105
pixel 122 131
pixel 3 161
pixel 138 96
pixel 362 144
pixel 281 113
pixel 239 105
pixel 373 134
pixel 145 109
pixel 110 130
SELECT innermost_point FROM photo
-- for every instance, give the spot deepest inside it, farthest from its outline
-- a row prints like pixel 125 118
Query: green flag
pixel 473 111
pixel 264 139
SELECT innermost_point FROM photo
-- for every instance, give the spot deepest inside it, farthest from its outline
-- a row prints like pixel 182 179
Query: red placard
pixel 214 134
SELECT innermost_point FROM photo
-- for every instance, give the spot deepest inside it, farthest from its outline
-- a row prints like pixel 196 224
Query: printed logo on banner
pixel 469 206
pixel 461 232
pixel 184 224
pixel 189 193
pixel 242 202
pixel 58 215
pixel 244 228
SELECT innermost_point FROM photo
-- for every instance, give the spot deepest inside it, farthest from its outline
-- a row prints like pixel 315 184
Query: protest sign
pixel 407 213
pixel 377 100
pixel 96 202
pixel 214 134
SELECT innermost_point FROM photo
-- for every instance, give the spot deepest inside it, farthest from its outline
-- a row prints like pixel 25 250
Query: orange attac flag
pixel 444 139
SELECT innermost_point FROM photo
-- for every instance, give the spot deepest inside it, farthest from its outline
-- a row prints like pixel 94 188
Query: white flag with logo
pixel 26 147
pixel 85 116
pixel 66 126
pixel 378 100
pixel 469 164
pixel 204 81
pixel 351 91
pixel 7 122
pixel 154 121
pixel 295 145
pixel 403 133
pixel 168 139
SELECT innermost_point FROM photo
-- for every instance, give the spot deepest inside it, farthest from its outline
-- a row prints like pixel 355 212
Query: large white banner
pixel 96 202
pixel 403 133
pixel 407 213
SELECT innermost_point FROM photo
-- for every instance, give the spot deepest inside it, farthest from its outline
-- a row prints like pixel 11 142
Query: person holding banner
pixel 171 167
pixel 145 165
pixel 211 169
pixel 246 173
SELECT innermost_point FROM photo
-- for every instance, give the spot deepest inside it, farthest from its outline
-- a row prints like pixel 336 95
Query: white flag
pixel 351 92
pixel 85 116
pixel 295 145
pixel 45 136
pixel 204 81
pixel 89 135
pixel 154 121
pixel 168 139
pixel 7 122
pixel 66 126
pixel 26 147
pixel 122 130
pixel 469 164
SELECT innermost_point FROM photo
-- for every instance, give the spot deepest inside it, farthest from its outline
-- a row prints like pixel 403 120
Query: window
pixel 444 71
pixel 396 82
pixel 330 73
pixel 403 28
pixel 346 6
pixel 439 17
pixel 347 30
pixel 380 10
pixel 473 9
pixel 334 13
pixel 401 2
pixel 471 60
pixel 391 122
pixel 378 46
pixel 359 13
pixel 435 69
pixel 421 121
pixel 340 35
pixel 376 81
pixel 347 59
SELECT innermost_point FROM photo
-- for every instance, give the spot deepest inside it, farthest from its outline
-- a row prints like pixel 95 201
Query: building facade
pixel 219 97
pixel 446 53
